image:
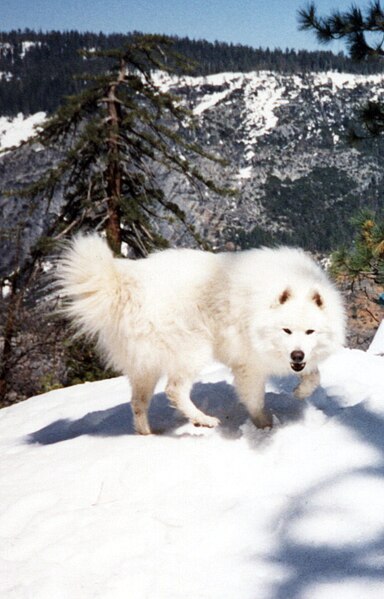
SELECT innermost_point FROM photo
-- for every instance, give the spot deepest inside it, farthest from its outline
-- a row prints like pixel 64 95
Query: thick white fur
pixel 172 313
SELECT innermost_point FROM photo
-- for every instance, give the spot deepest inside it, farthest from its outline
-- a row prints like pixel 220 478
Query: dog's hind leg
pixel 178 392
pixel 142 391
pixel 250 386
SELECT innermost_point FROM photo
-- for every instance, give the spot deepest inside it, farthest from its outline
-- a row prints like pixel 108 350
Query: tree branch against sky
pixel 363 33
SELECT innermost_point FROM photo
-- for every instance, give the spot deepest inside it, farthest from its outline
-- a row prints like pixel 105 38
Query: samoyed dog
pixel 261 312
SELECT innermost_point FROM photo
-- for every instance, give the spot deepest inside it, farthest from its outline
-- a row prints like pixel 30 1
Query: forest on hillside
pixel 38 69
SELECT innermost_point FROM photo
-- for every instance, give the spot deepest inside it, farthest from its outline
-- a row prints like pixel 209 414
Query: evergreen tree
pixel 367 254
pixel 114 132
pixel 363 34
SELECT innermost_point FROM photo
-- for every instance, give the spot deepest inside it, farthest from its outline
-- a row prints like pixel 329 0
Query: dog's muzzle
pixel 297 360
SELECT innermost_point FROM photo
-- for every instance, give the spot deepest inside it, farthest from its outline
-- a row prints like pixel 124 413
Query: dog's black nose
pixel 297 356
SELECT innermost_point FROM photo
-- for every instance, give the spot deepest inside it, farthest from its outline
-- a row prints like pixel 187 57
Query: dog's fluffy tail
pixel 90 284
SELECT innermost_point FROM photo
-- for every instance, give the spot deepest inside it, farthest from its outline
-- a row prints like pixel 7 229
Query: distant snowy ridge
pixel 285 136
pixel 264 90
pixel 285 140
pixel 15 130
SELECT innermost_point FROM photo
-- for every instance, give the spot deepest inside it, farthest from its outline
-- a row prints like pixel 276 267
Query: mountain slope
pixel 285 137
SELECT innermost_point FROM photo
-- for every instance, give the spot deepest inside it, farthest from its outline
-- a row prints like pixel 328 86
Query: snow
pixel 377 345
pixel 245 173
pixel 88 509
pixel 15 130
pixel 5 76
pixel 264 93
pixel 27 46
pixel 231 82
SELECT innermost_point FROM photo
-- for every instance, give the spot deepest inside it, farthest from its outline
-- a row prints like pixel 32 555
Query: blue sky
pixel 266 23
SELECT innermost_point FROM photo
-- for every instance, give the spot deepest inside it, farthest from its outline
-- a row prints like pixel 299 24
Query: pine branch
pixel 351 25
pixel 372 115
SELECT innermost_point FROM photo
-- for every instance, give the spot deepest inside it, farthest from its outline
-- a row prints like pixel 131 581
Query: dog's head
pixel 300 329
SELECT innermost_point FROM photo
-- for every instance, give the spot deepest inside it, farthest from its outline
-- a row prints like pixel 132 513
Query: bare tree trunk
pixel 114 174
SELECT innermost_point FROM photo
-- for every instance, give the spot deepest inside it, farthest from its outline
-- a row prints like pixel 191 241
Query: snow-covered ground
pixel 90 510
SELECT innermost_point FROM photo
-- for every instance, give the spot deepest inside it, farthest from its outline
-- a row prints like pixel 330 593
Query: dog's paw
pixel 263 420
pixel 304 389
pixel 205 420
pixel 143 430
pixel 307 385
pixel 302 392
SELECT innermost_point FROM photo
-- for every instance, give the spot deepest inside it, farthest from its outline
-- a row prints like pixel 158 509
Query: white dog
pixel 260 312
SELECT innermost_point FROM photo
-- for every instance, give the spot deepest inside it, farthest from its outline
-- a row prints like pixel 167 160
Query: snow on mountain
pixel 5 75
pixel 88 509
pixel 284 137
pixel 26 46
pixel 286 140
pixel 210 99
pixel 14 131
pixel 262 95
pixel 265 92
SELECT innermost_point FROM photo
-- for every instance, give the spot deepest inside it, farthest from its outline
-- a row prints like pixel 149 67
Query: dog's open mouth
pixel 297 367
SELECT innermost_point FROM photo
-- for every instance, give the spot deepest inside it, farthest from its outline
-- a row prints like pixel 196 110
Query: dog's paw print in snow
pixel 259 436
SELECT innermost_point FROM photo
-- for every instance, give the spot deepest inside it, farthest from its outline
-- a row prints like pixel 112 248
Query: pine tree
pixel 116 132
pixel 363 34
pixel 366 257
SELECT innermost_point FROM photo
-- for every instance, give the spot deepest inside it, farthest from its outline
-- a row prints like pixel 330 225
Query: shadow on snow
pixel 305 562
pixel 332 559
pixel 216 399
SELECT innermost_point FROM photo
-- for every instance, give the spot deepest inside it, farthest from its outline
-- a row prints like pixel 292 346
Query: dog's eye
pixel 309 332
pixel 288 331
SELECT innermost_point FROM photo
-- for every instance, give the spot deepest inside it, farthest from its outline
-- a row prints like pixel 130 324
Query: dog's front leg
pixel 250 386
pixel 307 385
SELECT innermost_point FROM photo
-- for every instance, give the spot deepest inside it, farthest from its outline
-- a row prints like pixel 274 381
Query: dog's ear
pixel 284 296
pixel 317 298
